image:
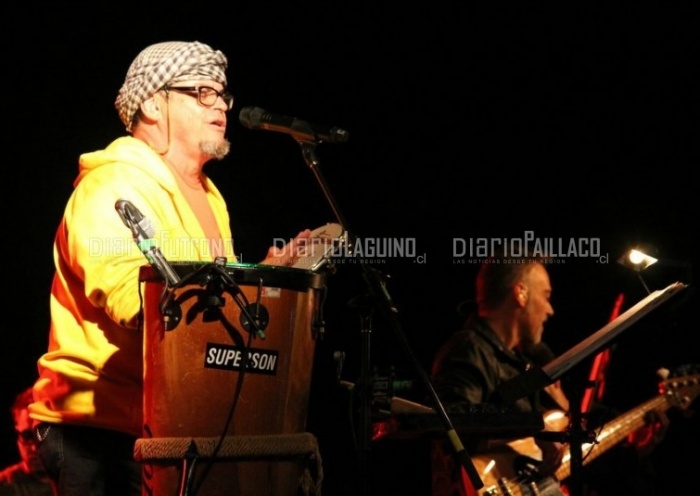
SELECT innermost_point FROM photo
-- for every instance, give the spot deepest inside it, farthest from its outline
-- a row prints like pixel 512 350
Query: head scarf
pixel 162 64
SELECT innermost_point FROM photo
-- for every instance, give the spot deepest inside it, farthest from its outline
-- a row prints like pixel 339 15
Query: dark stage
pixel 502 122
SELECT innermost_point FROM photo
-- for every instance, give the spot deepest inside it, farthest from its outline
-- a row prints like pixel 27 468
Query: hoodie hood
pixel 127 152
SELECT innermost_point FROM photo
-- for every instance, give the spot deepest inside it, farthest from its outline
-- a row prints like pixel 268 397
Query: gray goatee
pixel 216 149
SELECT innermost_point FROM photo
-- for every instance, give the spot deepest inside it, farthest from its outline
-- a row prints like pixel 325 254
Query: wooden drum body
pixel 194 382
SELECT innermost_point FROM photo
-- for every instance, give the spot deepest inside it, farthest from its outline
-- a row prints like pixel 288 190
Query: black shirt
pixel 471 365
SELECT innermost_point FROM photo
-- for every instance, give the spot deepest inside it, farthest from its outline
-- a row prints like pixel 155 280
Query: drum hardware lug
pixel 211 312
pixel 318 328
pixel 172 315
pixel 170 311
pixel 261 318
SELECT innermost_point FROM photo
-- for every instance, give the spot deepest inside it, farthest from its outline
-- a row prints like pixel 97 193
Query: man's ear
pixel 150 108
pixel 521 294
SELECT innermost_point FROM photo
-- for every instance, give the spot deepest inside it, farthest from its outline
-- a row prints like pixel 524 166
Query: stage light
pixel 638 259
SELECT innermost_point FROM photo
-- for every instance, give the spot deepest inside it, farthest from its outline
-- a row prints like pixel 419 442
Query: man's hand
pixel 552 455
pixel 646 438
pixel 289 253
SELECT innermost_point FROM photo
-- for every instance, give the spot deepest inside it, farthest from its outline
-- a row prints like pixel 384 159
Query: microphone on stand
pixel 257 118
pixel 143 232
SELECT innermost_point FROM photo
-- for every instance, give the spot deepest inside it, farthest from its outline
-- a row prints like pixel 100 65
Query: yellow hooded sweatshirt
pixel 92 373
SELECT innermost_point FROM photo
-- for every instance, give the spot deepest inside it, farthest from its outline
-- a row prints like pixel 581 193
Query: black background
pixel 465 122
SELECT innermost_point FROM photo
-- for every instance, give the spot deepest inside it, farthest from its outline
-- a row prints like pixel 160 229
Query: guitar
pixel 511 470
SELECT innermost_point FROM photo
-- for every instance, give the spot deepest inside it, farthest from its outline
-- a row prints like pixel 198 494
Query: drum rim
pixel 249 274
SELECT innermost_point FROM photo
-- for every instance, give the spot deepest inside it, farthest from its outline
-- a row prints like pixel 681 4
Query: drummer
pixel 87 408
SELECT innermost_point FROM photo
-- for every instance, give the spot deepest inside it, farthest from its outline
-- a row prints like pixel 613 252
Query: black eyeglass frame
pixel 192 90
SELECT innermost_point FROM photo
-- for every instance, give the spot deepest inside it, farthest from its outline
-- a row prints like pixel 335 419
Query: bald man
pixel 499 341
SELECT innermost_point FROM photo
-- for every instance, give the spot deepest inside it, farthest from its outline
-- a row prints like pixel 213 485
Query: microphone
pixel 257 118
pixel 143 232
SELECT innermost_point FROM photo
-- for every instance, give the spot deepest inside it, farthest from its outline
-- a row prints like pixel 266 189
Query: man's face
pixel 197 118
pixel 538 308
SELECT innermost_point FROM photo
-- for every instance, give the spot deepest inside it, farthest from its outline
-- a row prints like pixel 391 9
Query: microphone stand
pixel 378 293
pixel 364 305
pixel 576 435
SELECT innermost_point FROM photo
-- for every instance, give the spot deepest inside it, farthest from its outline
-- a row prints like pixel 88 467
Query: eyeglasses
pixel 25 436
pixel 206 95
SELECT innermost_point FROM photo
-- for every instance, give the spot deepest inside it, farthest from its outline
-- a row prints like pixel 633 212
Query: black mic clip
pixel 142 230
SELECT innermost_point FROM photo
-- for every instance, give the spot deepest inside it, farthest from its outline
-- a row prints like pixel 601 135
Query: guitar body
pixel 511 468
pixel 514 464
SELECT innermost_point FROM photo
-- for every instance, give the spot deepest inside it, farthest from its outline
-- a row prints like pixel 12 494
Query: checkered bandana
pixel 162 64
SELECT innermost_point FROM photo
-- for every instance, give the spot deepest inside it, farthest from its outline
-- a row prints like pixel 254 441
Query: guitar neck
pixel 612 433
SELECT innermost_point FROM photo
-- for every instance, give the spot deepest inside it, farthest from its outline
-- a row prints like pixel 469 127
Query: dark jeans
pixel 84 461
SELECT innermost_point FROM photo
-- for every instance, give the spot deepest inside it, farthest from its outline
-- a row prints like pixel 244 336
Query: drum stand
pixel 378 295
pixel 300 447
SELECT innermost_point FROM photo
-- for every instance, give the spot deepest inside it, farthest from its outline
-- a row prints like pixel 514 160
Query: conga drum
pixel 228 352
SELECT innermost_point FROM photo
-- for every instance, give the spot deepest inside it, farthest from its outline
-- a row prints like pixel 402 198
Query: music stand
pixel 537 378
